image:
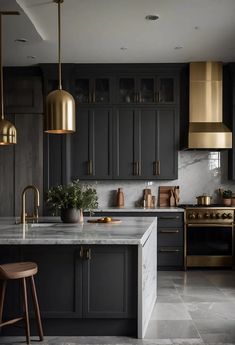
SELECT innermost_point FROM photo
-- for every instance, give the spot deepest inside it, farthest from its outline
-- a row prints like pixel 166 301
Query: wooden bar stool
pixel 21 270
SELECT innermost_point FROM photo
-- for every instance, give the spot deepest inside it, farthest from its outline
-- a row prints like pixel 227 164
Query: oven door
pixel 209 245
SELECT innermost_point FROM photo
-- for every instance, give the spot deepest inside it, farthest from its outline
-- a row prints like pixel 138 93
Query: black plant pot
pixel 69 215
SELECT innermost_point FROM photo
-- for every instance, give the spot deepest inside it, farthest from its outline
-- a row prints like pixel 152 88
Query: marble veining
pixel 131 230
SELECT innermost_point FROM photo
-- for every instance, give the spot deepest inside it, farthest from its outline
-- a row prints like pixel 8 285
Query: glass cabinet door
pixel 146 94
pixel 101 92
pixel 82 90
pixel 126 90
pixel 166 90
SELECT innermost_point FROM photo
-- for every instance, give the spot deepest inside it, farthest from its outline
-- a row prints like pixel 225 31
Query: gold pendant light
pixel 60 105
pixel 7 129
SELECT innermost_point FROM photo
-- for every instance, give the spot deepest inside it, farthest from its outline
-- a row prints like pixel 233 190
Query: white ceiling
pixel 93 31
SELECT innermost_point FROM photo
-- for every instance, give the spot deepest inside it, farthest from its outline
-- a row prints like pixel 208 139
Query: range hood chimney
pixel 206 129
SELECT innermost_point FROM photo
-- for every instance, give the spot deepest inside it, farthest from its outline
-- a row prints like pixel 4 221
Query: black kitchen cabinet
pixel 91 144
pixel 230 94
pixel 93 90
pixel 22 164
pixel 147 89
pixel 145 143
pixel 80 288
pixel 23 95
pixel 109 282
pixel 170 235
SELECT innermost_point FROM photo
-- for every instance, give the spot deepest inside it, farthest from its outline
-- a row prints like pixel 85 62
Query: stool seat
pixel 24 271
pixel 18 270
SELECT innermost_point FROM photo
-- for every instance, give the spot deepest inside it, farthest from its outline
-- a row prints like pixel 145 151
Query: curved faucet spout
pixel 34 216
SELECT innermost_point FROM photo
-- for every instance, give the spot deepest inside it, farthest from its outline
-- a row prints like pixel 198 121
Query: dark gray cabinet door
pixel 91 145
pixel 110 282
pixel 23 95
pixel 146 143
pixel 21 165
pixel 58 280
pixel 125 143
pixel 167 144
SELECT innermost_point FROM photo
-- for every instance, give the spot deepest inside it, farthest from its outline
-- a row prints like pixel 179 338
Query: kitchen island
pixel 93 279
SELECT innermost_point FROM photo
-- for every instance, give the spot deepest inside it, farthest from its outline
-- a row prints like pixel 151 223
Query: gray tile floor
pixel 193 308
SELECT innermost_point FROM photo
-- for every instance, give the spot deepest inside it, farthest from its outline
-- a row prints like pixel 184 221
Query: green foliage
pixel 74 195
pixel 227 194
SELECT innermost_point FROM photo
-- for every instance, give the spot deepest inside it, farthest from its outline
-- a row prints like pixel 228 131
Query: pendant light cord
pixel 59 45
pixel 1 72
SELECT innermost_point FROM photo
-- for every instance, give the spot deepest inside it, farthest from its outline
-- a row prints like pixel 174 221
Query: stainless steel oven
pixel 209 237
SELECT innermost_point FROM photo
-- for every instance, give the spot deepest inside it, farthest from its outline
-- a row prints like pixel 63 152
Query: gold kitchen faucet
pixel 34 216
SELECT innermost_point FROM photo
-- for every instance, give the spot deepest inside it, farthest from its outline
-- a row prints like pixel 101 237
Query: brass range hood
pixel 206 129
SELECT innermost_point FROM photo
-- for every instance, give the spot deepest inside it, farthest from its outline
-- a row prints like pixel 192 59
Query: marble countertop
pixel 50 230
pixel 140 209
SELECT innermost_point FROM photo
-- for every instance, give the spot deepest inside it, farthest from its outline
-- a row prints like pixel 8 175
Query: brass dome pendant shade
pixel 60 105
pixel 7 129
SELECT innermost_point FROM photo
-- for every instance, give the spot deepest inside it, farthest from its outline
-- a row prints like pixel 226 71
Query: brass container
pixel 203 200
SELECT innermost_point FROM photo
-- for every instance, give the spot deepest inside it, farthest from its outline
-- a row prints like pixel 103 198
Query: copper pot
pixel 203 200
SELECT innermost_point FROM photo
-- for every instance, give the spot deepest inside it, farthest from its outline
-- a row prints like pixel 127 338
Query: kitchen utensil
pixel 172 198
pixel 176 195
pixel 203 199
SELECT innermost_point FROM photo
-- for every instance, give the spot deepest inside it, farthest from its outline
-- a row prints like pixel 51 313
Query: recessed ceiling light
pixel 196 27
pixel 123 48
pixel 21 40
pixel 151 17
pixel 31 57
pixel 178 47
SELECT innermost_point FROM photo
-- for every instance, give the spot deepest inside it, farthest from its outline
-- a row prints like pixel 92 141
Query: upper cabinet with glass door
pixel 93 90
pixel 147 90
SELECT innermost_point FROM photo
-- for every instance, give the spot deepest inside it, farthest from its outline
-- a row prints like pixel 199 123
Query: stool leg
pixel 26 318
pixel 3 284
pixel 36 308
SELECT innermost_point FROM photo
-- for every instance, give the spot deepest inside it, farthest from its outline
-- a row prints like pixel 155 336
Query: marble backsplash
pixel 199 172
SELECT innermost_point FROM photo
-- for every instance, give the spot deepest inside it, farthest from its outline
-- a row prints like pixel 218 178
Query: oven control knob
pixel 192 216
pixel 224 215
pixel 199 216
pixel 230 216
pixel 207 215
pixel 218 215
pixel 213 215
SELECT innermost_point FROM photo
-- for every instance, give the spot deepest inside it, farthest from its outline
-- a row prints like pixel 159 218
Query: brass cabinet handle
pixel 169 231
pixel 85 253
pixel 138 168
pixel 89 167
pixel 88 254
pixel 140 97
pixel 135 169
pixel 156 168
pixel 169 250
pixel 93 96
pixel 81 252
pixel 90 98
pixel 157 97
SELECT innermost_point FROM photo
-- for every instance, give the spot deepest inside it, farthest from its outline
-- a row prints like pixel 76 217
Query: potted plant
pixel 71 200
pixel 227 197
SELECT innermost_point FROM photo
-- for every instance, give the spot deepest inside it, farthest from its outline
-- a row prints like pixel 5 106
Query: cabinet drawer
pixel 170 236
pixel 171 219
pixel 170 256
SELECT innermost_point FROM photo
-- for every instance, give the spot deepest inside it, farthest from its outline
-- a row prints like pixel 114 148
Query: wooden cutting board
pixel 113 221
pixel 164 195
